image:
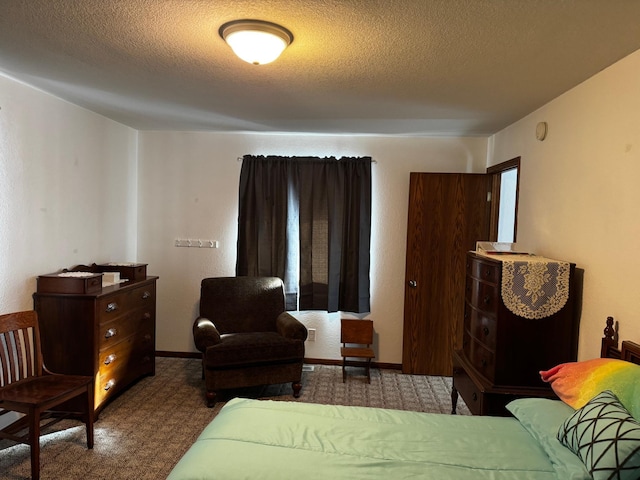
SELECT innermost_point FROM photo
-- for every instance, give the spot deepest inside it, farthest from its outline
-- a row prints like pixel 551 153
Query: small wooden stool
pixel 360 333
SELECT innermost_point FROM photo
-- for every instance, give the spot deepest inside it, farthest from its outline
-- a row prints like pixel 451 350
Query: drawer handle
pixel 474 397
pixel 146 315
pixel 147 337
pixel 112 307
pixel 487 300
pixel 110 333
pixel 109 385
pixel 485 330
pixel 146 295
pixel 110 359
pixel 487 273
pixel 483 362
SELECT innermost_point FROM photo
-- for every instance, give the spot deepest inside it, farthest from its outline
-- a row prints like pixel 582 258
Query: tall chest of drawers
pixel 109 334
pixel 503 352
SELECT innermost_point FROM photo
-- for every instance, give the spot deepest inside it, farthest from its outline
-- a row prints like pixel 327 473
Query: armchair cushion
pixel 250 349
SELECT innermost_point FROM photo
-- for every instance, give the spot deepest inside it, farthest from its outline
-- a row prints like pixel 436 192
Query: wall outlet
pixel 311 337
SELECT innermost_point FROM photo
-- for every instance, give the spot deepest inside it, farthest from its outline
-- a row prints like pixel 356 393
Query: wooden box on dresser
pixel 109 334
pixel 502 353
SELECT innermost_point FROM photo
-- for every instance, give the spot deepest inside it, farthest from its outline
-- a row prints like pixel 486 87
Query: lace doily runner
pixel 534 287
pixel 77 274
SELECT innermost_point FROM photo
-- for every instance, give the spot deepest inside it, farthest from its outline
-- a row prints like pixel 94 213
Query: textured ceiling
pixel 435 67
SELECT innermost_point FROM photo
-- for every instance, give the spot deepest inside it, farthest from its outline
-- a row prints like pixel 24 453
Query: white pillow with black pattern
pixel 606 438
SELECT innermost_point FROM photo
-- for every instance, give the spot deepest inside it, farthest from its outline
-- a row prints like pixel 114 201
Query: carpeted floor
pixel 144 432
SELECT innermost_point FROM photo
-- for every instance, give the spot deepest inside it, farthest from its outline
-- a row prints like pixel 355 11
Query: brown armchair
pixel 245 335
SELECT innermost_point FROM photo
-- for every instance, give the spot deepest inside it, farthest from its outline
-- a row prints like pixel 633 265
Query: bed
pixel 544 440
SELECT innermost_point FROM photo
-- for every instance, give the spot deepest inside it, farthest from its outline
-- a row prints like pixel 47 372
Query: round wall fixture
pixel 541 131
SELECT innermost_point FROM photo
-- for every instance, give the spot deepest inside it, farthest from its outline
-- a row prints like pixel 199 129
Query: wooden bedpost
pixel 609 341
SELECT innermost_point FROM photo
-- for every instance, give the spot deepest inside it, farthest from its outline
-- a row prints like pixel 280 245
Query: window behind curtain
pixel 307 220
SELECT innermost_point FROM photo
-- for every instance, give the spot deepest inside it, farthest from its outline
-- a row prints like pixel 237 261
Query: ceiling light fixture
pixel 256 41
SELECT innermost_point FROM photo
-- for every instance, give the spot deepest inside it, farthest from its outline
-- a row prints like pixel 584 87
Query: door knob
pixel 413 283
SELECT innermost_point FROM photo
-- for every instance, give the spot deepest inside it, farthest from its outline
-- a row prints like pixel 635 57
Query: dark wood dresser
pixel 502 352
pixel 108 334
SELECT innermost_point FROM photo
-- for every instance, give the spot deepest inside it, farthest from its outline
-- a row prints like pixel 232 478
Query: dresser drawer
pixel 114 332
pixel 111 382
pixel 481 326
pixel 483 296
pixel 482 359
pixel 131 271
pixel 487 272
pixel 112 306
pixel 126 354
pixel 130 358
pixel 55 283
pixel 468 390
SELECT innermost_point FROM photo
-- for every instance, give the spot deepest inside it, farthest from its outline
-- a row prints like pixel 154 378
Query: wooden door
pixel 448 213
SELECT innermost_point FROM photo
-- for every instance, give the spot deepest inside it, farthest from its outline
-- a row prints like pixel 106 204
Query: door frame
pixel 496 174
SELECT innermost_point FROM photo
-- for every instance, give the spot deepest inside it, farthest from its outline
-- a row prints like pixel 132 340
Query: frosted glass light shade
pixel 256 41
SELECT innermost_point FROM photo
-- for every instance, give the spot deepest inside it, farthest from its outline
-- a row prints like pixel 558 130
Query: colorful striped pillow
pixel 576 383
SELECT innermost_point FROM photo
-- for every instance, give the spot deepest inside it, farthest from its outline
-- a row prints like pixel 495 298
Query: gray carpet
pixel 144 432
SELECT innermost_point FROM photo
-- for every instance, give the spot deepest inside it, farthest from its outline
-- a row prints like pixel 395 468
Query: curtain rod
pixel 239 159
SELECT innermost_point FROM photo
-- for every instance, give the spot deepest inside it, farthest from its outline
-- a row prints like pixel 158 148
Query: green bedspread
pixel 252 439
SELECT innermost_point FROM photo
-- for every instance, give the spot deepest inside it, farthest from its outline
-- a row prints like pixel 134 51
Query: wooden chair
pixel 27 387
pixel 359 335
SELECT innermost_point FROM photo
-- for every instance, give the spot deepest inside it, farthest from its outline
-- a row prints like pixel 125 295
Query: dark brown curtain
pixel 307 220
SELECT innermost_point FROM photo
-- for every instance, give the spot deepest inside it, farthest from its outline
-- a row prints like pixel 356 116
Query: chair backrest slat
pixel 356 331
pixel 4 359
pixel 20 355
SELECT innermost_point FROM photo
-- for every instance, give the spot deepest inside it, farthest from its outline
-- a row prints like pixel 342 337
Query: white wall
pixel 67 190
pixel 580 192
pixel 69 184
pixel 188 185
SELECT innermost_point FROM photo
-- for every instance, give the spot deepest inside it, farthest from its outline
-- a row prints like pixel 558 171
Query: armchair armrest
pixel 205 334
pixel 290 327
